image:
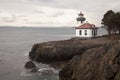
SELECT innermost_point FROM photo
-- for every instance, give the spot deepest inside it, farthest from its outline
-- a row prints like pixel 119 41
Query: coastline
pixel 63 54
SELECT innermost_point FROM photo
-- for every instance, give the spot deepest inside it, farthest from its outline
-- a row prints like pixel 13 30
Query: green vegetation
pixel 111 21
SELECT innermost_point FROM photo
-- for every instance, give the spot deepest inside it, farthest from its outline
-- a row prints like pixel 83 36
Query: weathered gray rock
pixel 59 50
pixel 84 59
pixel 30 65
pixel 101 63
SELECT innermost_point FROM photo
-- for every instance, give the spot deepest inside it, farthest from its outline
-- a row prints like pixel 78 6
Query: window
pixel 80 32
pixel 93 32
pixel 85 32
pixel 96 32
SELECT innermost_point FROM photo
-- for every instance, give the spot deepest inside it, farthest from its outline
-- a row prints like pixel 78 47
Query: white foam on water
pixel 25 73
pixel 48 71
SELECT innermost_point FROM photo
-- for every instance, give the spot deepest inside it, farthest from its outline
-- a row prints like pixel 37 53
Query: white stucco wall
pixel 89 33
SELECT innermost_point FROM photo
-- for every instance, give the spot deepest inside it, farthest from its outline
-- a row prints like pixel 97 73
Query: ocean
pixel 15 44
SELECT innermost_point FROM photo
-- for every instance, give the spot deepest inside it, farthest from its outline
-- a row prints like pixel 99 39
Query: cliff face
pixel 59 50
pixel 101 63
pixel 96 59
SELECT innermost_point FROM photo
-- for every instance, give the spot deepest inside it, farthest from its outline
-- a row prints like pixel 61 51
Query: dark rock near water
pixel 30 65
pixel 59 50
pixel 34 70
pixel 95 59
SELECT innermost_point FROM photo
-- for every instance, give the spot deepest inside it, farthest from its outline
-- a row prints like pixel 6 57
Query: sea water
pixel 15 44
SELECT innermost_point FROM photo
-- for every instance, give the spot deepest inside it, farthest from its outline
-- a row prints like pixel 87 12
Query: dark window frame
pixel 92 31
pixel 85 32
pixel 80 32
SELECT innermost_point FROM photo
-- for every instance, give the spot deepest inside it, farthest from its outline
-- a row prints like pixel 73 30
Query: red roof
pixel 86 26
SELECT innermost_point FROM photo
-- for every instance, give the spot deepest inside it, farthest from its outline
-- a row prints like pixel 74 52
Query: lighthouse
pixel 81 18
pixel 85 30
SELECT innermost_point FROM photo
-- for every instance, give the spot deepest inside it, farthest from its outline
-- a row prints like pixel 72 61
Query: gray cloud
pixel 21 16
pixel 14 19
pixel 82 5
pixel 10 19
pixel 25 20
pixel 57 14
pixel 93 9
pixel 40 11
pixel 85 5
pixel 48 1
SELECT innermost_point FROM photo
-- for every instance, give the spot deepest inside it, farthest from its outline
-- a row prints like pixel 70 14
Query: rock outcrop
pixel 95 59
pixel 59 50
pixel 30 65
pixel 101 63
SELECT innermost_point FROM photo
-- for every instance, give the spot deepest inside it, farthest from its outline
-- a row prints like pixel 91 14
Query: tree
pixel 108 20
pixel 117 21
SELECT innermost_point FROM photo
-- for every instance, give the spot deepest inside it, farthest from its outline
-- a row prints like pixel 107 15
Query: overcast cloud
pixel 53 12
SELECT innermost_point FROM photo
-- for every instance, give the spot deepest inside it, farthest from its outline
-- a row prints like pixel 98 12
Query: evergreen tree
pixel 108 20
pixel 117 21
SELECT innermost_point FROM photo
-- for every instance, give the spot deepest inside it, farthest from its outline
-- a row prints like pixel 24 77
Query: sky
pixel 53 12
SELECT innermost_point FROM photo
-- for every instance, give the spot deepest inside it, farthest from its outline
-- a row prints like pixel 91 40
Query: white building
pixel 86 30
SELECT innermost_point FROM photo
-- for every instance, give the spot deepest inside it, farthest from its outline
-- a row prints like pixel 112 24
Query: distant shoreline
pixel 36 27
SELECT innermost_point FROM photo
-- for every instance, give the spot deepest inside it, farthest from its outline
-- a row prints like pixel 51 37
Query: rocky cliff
pixel 101 63
pixel 95 59
pixel 60 50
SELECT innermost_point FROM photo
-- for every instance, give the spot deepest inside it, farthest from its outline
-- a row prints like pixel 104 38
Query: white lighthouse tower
pixel 85 29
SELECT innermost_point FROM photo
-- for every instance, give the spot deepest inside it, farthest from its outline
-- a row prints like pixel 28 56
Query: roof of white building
pixel 86 26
